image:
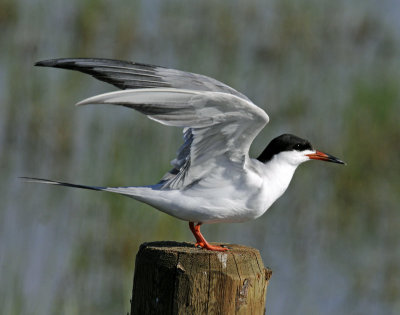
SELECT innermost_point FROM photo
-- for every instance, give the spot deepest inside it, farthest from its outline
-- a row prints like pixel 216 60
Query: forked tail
pixel 53 182
pixel 127 191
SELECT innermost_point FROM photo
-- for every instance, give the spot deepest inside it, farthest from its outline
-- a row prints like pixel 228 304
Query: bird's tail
pixel 127 191
pixel 152 195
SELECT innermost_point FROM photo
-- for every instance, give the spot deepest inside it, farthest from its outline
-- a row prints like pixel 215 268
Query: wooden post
pixel 177 278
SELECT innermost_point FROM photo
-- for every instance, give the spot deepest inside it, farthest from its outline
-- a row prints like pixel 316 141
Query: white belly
pixel 237 197
pixel 211 201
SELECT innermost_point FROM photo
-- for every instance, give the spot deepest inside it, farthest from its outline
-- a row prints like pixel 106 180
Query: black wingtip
pixel 58 62
pixel 46 63
pixel 25 178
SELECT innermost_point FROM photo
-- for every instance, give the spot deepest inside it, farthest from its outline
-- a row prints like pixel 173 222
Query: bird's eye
pixel 297 147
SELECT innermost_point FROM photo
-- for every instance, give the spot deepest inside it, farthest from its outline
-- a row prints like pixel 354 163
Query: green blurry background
pixel 326 70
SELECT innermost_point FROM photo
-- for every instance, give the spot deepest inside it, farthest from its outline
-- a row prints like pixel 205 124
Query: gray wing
pixel 131 75
pixel 219 127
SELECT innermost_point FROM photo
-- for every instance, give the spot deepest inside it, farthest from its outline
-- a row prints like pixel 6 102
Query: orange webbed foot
pixel 201 241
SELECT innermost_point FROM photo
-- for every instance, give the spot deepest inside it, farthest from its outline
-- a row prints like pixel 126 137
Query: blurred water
pixel 327 71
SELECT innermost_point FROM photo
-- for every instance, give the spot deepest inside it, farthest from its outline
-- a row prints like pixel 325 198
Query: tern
pixel 213 178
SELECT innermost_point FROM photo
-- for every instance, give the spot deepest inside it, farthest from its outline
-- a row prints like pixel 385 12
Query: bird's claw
pixel 211 247
pixel 201 241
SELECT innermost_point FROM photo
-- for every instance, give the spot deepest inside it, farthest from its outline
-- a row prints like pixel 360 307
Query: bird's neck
pixel 277 175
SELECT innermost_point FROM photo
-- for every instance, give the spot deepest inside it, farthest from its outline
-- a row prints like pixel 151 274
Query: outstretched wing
pixel 130 75
pixel 219 127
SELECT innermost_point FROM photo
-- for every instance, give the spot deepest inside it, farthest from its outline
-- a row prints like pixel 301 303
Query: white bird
pixel 213 179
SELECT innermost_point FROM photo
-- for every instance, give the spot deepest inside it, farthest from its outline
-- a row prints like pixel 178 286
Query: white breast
pixel 276 176
pixel 226 195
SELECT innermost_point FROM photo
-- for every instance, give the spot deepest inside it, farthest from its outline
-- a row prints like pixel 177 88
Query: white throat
pixel 278 173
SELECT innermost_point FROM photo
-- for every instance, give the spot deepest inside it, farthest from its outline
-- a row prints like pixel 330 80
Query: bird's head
pixel 293 150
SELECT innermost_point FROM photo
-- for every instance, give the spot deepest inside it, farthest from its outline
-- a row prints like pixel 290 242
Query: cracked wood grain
pixel 177 278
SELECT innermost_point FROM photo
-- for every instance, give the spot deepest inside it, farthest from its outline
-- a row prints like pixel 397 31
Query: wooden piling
pixel 177 278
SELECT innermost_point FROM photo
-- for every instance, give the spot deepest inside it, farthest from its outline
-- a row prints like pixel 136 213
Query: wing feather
pixel 218 121
pixel 131 75
pixel 218 126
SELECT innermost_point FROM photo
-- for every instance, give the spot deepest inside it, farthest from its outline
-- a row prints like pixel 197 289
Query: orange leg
pixel 201 241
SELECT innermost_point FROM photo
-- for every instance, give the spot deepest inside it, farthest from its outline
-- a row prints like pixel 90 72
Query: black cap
pixel 285 142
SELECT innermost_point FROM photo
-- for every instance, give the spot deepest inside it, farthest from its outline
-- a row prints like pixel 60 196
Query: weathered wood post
pixel 177 278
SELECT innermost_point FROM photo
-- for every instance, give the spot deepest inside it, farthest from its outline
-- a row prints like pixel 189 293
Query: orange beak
pixel 318 155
